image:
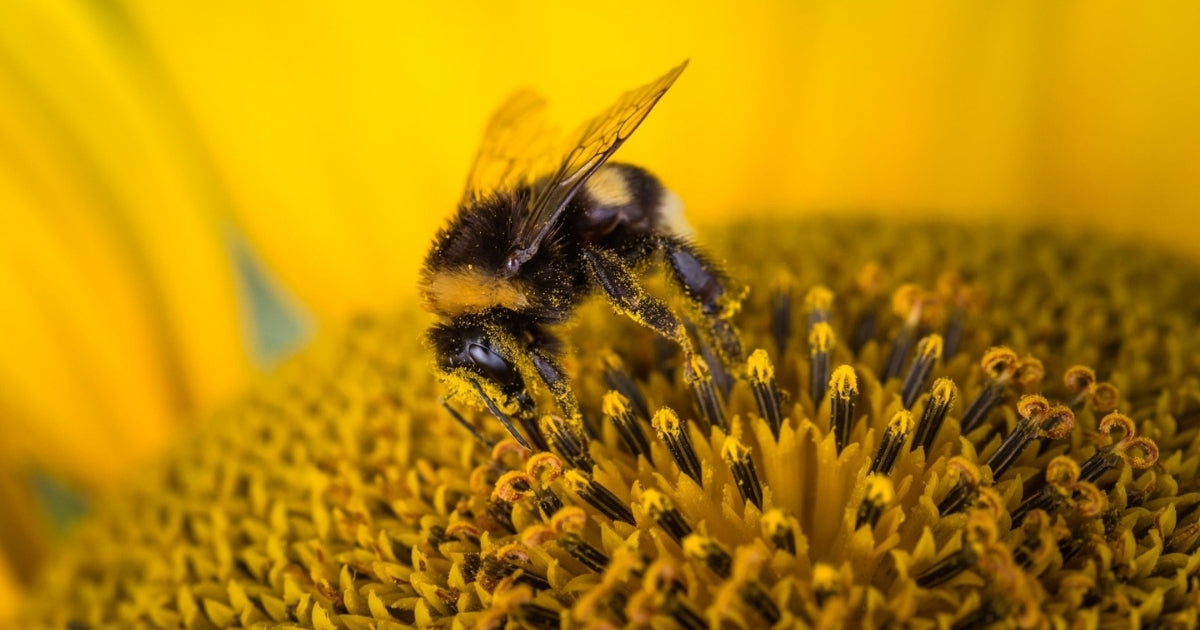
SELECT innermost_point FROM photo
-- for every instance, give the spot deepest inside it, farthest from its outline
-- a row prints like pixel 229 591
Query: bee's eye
pixel 491 363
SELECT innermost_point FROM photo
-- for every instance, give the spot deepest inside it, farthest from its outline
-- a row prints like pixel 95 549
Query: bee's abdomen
pixel 621 197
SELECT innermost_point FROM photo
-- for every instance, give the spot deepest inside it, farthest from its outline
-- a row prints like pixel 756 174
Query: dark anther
pixel 620 411
pixel 737 457
pixel 929 350
pixel 766 393
pixel 844 384
pixel 599 497
pixel 941 397
pixel 705 393
pixel 674 434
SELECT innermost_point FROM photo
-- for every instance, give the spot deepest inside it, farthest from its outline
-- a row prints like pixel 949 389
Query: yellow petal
pixel 115 274
pixel 8 594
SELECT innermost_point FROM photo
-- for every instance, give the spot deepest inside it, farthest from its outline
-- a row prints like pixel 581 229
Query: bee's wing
pixel 595 142
pixel 515 139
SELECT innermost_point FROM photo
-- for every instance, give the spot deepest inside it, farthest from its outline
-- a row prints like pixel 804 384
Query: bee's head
pixel 465 344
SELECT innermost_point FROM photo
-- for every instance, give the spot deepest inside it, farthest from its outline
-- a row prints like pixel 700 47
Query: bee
pixel 537 231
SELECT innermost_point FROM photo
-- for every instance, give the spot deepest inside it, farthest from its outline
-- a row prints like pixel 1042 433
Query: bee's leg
pixel 525 417
pixel 479 437
pixel 628 297
pixel 555 378
pixel 542 349
pixel 713 292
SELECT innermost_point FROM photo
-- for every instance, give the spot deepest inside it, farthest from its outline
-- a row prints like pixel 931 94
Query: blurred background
pixel 188 190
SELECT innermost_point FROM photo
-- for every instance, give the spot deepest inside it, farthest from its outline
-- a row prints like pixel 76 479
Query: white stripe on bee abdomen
pixel 670 213
pixel 607 187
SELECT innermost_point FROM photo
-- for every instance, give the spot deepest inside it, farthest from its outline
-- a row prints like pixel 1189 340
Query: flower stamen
pixel 705 394
pixel 544 468
pixel 664 514
pixel 781 314
pixel 929 351
pixel 619 410
pixel 965 488
pixel 907 303
pixel 999 365
pixel 766 393
pixel 737 458
pixel 826 582
pixel 707 550
pixel 844 384
pixel 781 529
pixel 1080 380
pixel 878 494
pixel 941 397
pixel 897 431
pixel 1038 418
pixel 978 537
pixel 598 496
pixel 618 379
pixel 819 303
pixel 568 439
pixel 674 435
pixel 821 340
pixel 868 281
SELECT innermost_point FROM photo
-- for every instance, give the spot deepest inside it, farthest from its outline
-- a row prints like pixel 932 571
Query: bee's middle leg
pixel 628 297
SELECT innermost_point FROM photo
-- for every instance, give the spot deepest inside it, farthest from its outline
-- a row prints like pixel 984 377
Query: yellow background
pixel 136 140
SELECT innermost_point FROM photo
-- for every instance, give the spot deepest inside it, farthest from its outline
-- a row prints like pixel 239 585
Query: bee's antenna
pixel 503 418
pixel 488 444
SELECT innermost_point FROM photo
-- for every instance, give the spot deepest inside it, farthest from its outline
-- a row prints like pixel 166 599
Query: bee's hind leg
pixel 710 289
pixel 628 297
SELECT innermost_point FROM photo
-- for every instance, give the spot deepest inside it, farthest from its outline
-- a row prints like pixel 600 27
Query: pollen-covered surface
pixel 340 494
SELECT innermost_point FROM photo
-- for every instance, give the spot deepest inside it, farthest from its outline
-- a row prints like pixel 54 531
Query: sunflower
pixel 938 427
pixel 176 180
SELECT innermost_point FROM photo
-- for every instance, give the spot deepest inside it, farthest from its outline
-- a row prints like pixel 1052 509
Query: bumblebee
pixel 537 231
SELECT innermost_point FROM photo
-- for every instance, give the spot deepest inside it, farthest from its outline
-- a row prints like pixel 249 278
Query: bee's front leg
pixel 543 348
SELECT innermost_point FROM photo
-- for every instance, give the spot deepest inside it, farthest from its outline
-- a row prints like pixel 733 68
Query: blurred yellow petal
pixel 8 592
pixel 117 297
pixel 76 348
pixel 107 135
pixel 101 170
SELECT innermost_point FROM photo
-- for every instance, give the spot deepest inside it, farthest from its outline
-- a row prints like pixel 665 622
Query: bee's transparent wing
pixel 516 139
pixel 590 148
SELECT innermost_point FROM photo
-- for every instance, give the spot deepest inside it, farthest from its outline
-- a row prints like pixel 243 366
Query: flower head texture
pixel 937 427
